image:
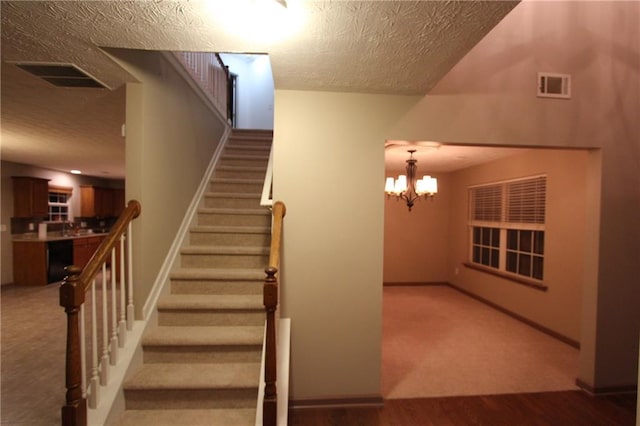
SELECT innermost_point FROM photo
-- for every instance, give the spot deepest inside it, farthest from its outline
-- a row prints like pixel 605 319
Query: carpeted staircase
pixel 201 365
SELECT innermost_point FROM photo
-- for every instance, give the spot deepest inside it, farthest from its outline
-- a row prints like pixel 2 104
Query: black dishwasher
pixel 59 256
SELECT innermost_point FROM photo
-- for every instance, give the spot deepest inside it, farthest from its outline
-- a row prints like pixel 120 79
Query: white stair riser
pixel 229 239
pixel 224 219
pixel 215 287
pixel 190 398
pixel 202 354
pixel 209 318
pixel 227 261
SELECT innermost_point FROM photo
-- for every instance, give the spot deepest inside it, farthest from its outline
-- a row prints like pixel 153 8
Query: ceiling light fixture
pixel 408 187
pixel 258 21
pixel 75 172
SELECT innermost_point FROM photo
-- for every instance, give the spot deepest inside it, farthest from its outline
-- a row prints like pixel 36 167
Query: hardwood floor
pixel 567 408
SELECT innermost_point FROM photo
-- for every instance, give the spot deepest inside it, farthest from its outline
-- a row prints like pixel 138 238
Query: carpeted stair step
pixel 252 236
pixel 224 257
pixel 193 417
pixel 234 185
pixel 217 281
pixel 253 138
pixel 203 344
pixel 248 149
pixel 210 310
pixel 234 217
pixel 194 385
pixel 241 172
pixel 231 200
pixel 244 160
pixel 201 363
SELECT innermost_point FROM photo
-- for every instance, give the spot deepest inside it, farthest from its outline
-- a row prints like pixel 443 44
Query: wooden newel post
pixel 74 412
pixel 270 403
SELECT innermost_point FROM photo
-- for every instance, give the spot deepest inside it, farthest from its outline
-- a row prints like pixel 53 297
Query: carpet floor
pixel 32 356
pixel 439 342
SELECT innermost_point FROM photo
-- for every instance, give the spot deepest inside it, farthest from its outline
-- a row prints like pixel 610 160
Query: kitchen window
pixel 507 227
pixel 59 203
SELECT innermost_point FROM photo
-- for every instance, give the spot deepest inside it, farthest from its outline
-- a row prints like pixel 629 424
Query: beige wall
pixel 489 97
pixel 416 242
pixel 171 137
pixel 329 170
pixel 558 308
pixel 326 170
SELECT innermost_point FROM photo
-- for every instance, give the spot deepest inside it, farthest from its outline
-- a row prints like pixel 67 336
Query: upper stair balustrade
pixel 210 73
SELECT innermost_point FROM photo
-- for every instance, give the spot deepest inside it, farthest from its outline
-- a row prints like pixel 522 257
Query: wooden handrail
pixel 72 295
pixel 270 402
pixel 279 211
pixel 104 250
pixel 224 67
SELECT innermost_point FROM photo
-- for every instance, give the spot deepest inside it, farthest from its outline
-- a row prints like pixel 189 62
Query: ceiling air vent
pixel 63 75
pixel 552 85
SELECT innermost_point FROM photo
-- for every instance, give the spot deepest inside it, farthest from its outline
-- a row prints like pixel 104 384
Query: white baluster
pixel 104 362
pixel 130 307
pixel 113 347
pixel 83 352
pixel 94 397
pixel 122 325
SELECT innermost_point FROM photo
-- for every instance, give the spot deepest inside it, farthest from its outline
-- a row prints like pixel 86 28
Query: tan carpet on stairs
pixel 201 364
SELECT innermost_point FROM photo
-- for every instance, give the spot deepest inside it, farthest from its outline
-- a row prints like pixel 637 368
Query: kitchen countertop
pixel 54 236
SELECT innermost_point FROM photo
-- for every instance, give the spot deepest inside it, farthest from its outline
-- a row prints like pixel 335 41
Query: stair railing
pixel 211 75
pixel 116 303
pixel 266 198
pixel 270 402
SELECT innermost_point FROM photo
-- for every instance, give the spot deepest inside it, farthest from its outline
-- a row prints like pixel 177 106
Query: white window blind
pixel 487 203
pixel 526 200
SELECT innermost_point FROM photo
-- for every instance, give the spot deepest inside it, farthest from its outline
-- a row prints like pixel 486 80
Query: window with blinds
pixel 506 224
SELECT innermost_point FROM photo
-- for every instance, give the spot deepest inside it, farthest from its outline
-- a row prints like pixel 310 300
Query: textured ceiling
pixel 438 158
pixel 399 47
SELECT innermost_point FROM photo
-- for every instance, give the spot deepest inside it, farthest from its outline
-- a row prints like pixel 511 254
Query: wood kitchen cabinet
pixel 30 262
pixel 118 201
pixel 83 249
pixel 30 197
pixel 96 201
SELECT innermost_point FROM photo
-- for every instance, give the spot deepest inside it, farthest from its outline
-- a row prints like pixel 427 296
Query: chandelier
pixel 407 187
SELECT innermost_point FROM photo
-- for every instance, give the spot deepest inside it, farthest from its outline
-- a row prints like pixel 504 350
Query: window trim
pixel 519 279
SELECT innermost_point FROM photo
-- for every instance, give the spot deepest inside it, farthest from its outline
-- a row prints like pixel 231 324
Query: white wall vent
pixel 551 85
